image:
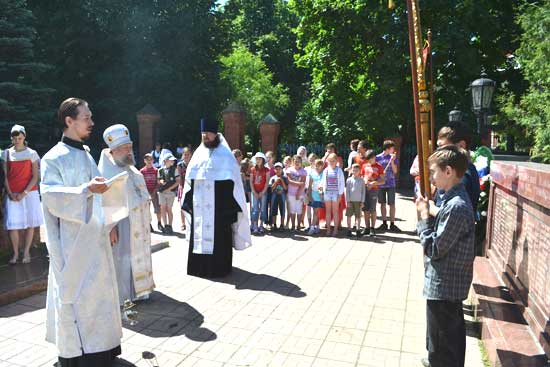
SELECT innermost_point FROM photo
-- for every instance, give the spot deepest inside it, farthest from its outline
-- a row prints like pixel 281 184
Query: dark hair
pixel 354 143
pixel 69 108
pixel 331 146
pixel 388 144
pixel 364 144
pixel 356 165
pixel 456 133
pixel 452 156
pixel 370 154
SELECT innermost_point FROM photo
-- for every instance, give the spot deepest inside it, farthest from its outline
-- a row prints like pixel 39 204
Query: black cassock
pixel 226 209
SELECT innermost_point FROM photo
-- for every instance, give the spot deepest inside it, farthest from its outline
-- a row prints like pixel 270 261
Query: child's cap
pixel 278 164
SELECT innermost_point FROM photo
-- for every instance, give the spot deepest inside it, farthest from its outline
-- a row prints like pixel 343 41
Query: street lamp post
pixel 482 96
pixel 455 115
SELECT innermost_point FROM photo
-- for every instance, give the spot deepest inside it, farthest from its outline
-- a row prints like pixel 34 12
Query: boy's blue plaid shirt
pixel 448 241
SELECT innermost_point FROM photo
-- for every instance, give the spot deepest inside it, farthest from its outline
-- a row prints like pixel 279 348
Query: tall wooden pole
pixel 432 93
pixel 420 96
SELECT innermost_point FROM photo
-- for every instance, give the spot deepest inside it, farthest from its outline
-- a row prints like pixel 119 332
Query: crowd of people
pixel 296 193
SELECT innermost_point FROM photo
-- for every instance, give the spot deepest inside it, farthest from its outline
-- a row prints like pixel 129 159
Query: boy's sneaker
pixel 160 227
pixel 255 231
pixel 311 230
pixel 350 234
pixel 359 233
pixel 394 228
pixel 316 230
pixel 372 232
pixel 382 227
pixel 261 230
pixel 169 229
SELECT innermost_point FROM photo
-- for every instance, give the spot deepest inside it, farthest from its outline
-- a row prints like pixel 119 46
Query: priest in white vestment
pixel 132 234
pixel 213 195
pixel 83 314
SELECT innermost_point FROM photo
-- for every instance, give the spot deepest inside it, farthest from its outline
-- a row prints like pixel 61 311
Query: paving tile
pixel 320 362
pixel 346 335
pixel 323 302
pixel 339 351
pixel 372 356
pixel 302 346
pixel 383 340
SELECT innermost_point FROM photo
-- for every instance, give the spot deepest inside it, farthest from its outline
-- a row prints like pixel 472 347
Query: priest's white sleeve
pixel 74 204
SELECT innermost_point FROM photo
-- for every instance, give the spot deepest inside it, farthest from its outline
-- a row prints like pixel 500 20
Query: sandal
pixel 13 261
pixel 26 260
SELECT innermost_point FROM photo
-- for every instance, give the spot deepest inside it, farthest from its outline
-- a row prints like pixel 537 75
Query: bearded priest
pixel 132 233
pixel 213 196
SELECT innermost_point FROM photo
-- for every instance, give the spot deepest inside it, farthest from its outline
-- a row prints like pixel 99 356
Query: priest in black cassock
pixel 213 197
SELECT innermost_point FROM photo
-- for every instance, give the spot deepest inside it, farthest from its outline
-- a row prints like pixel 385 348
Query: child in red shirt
pixel 373 175
pixel 259 178
pixel 149 172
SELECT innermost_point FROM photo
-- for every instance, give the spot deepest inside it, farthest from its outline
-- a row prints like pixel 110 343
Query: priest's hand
pixel 97 185
pixel 113 236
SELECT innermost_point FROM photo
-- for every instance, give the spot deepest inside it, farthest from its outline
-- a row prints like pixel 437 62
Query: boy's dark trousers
pixel 268 205
pixel 446 333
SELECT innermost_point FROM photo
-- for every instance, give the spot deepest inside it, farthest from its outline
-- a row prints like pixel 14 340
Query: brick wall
pixel 518 238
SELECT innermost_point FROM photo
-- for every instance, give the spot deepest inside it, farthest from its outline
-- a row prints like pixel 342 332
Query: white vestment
pixel 83 315
pixel 132 253
pixel 206 167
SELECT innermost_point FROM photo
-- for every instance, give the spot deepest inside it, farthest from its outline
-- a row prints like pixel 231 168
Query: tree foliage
pixel 358 55
pixel 121 55
pixel 23 97
pixel 265 27
pixel 251 85
pixel 531 109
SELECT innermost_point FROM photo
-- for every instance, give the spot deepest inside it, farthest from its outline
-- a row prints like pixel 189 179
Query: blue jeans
pixel 278 204
pixel 259 208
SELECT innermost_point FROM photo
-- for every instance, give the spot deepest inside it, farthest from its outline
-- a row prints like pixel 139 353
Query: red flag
pixel 425 54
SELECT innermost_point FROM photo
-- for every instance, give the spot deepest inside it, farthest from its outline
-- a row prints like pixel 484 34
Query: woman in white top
pixel 22 211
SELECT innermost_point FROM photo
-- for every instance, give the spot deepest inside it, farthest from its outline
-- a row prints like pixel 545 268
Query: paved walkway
pixel 290 301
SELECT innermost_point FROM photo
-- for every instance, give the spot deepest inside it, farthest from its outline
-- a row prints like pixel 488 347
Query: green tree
pixel 23 98
pixel 358 55
pixel 121 55
pixel 265 27
pixel 250 84
pixel 530 109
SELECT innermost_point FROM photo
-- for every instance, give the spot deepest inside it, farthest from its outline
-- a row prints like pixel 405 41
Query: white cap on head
pixel 19 129
pixel 260 155
pixel 116 136
pixel 169 157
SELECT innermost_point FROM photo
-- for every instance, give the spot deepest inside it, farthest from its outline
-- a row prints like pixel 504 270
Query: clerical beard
pixel 125 161
pixel 213 144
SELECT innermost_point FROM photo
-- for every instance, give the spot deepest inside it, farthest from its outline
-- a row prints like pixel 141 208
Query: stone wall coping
pixel 526 179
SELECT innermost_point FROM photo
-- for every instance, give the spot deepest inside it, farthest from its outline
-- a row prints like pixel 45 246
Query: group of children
pixel 164 185
pixel 316 188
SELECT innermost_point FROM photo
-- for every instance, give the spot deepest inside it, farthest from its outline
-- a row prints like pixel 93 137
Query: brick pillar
pixel 147 118
pixel 234 122
pixel 269 132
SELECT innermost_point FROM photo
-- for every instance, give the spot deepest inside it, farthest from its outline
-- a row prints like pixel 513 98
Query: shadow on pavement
pixel 243 279
pixel 395 239
pixel 162 316
pixel 119 362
